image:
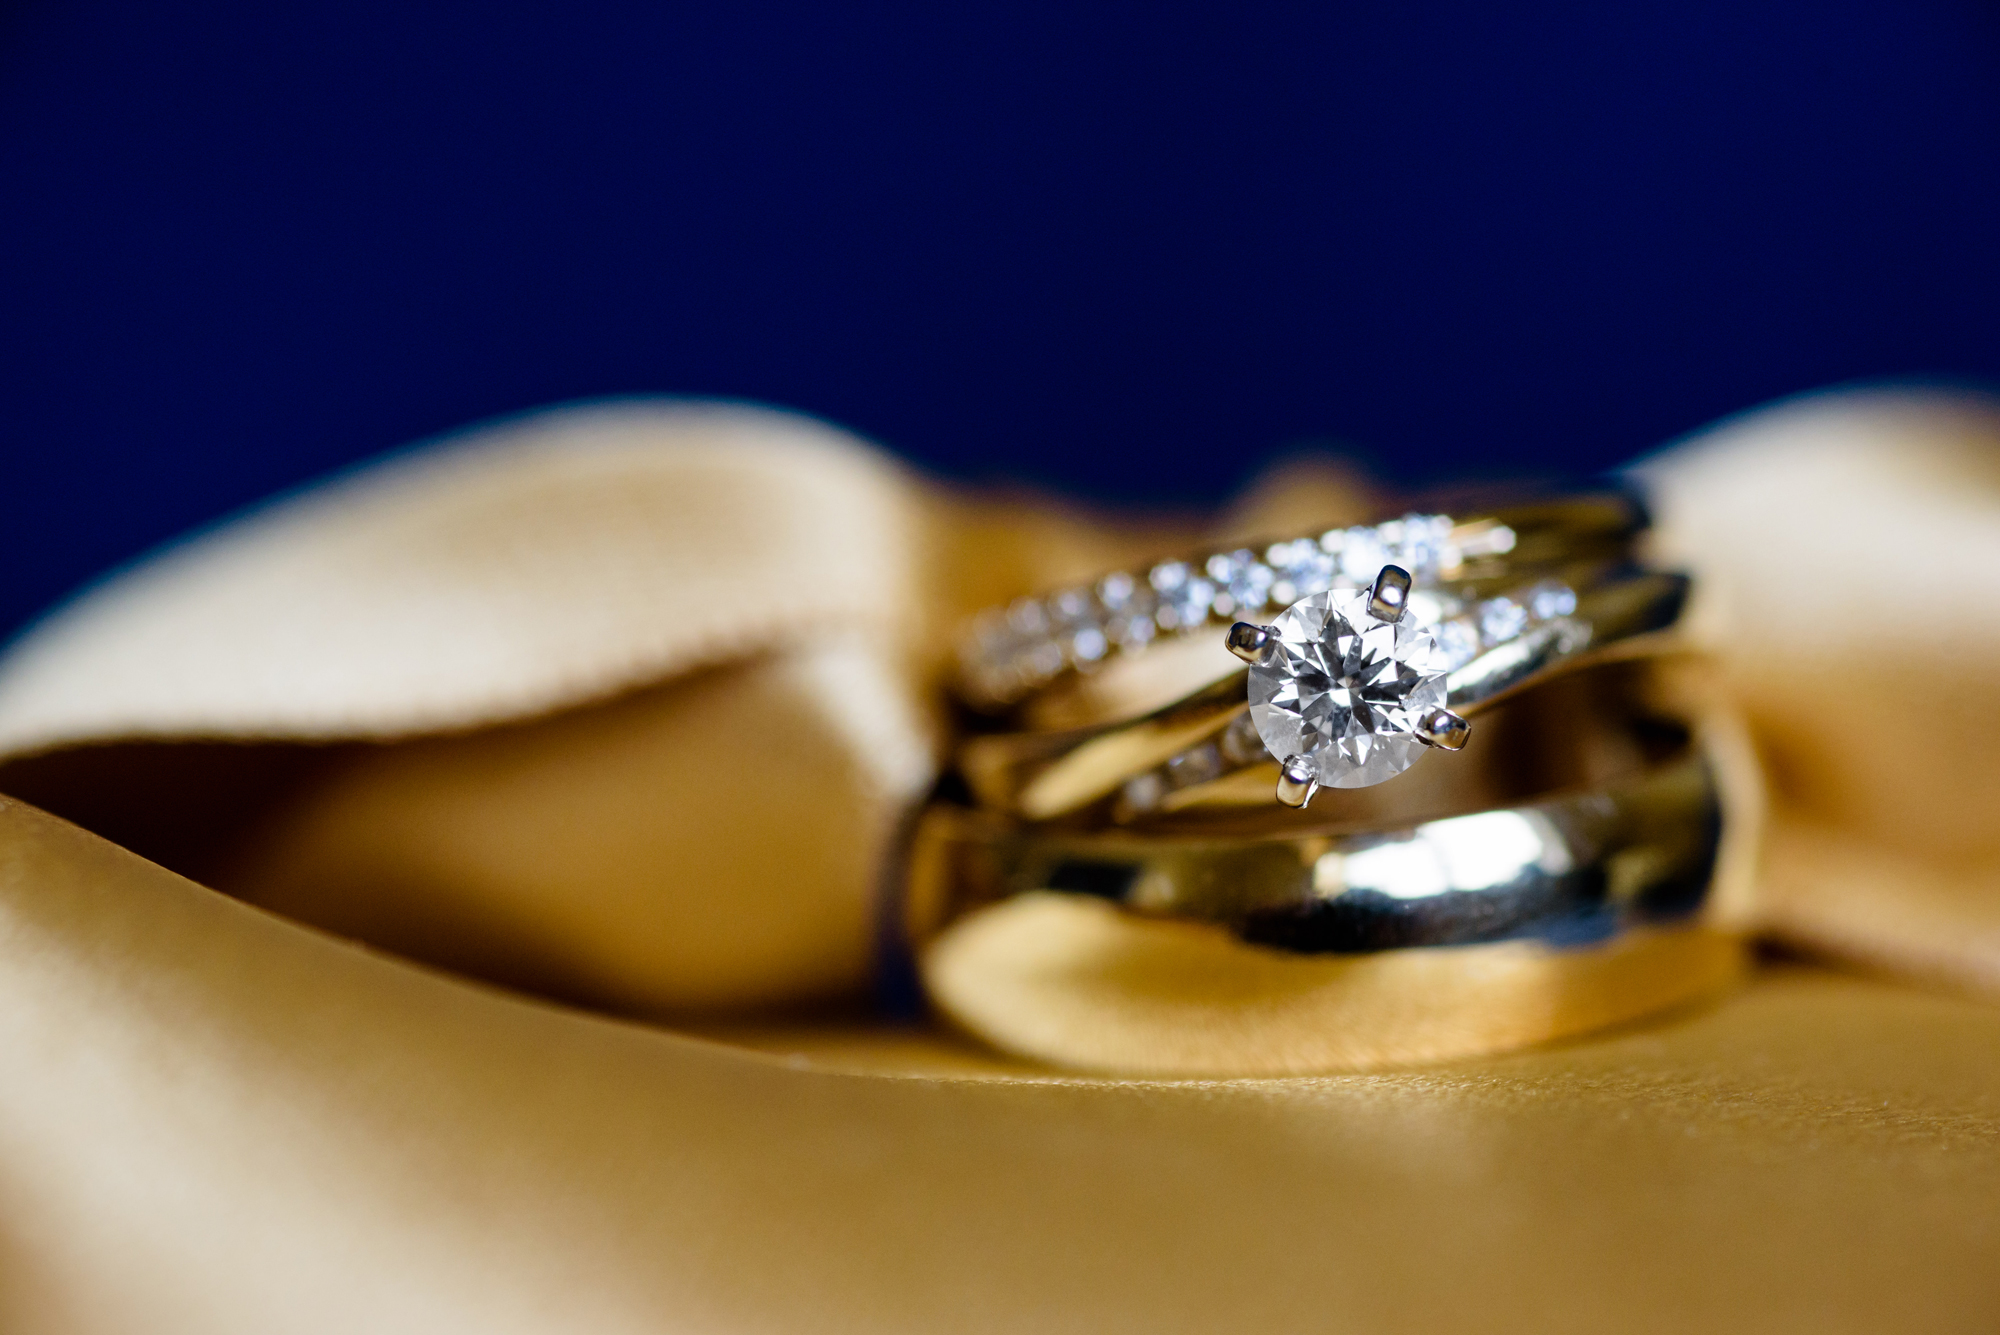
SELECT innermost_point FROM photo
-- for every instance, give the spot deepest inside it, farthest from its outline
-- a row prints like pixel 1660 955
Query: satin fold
pixel 213 1120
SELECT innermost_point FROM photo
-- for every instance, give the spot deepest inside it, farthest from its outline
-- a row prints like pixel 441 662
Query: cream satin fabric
pixel 1849 548
pixel 624 705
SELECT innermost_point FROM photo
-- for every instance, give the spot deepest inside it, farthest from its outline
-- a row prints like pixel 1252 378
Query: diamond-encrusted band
pixel 1008 653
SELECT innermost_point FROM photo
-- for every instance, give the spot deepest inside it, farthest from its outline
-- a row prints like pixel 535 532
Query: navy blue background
pixel 1124 248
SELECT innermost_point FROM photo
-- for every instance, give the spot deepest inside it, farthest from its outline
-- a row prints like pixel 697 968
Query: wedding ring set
pixel 1239 738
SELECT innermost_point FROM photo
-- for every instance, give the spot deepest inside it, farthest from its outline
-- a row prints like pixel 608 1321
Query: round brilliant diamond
pixel 1345 691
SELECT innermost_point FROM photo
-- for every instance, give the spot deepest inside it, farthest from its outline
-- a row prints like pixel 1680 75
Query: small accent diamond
pixel 1028 617
pixel 1458 641
pixel 1243 578
pixel 1301 569
pixel 1363 555
pixel 1143 792
pixel 1129 607
pixel 1501 619
pixel 1239 743
pixel 1549 601
pixel 1417 542
pixel 1185 597
pixel 1071 607
pixel 1087 645
pixel 1196 765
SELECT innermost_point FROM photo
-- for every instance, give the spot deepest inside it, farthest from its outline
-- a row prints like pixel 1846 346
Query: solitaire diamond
pixel 1345 691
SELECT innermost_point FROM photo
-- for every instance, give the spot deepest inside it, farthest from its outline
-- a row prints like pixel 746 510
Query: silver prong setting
pixel 1444 730
pixel 1390 597
pixel 1248 642
pixel 1297 782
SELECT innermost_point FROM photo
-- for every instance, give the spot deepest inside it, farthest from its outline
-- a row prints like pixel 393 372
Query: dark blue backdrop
pixel 1126 248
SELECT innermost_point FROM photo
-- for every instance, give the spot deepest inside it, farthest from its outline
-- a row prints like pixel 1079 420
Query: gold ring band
pixel 1035 646
pixel 1637 845
pixel 1200 752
